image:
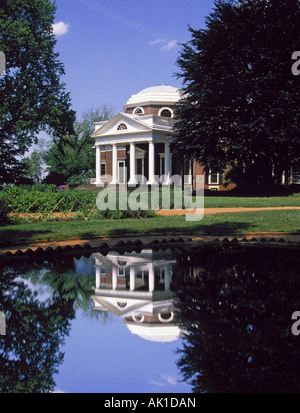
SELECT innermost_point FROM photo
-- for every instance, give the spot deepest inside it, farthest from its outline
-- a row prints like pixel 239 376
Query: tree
pixel 241 102
pixel 235 310
pixel 34 166
pixel 73 155
pixel 32 96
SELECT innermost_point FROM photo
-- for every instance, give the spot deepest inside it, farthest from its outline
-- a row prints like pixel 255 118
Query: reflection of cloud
pixel 166 380
pixel 60 28
pixel 58 391
pixel 169 379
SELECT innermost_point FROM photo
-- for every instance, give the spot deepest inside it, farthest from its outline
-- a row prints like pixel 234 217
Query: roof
pixel 161 95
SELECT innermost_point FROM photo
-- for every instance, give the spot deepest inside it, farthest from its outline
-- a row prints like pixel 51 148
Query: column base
pixel 152 182
pixel 99 183
pixel 132 182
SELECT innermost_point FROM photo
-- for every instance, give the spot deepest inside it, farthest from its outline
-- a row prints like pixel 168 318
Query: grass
pixel 233 223
pixel 250 202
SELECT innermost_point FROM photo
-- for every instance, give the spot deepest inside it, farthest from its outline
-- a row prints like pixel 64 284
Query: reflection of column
pixel 167 163
pixel 98 277
pixel 151 180
pixel 151 279
pixel 114 164
pixel 114 278
pixel 98 165
pixel 167 278
pixel 132 178
pixel 132 279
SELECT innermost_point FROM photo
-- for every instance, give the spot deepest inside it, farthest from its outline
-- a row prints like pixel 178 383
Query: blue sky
pixel 112 49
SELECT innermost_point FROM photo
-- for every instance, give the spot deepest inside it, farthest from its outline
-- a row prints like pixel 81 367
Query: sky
pixel 112 49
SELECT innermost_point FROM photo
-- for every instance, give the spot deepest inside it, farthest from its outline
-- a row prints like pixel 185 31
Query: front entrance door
pixel 121 172
pixel 140 169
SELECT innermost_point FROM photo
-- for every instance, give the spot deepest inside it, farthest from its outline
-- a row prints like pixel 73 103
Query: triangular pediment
pixel 121 124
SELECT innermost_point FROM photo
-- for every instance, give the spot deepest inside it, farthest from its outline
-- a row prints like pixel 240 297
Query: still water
pixel 207 318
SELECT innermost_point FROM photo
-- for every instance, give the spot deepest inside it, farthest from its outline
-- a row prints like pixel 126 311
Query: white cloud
pixel 166 380
pixel 153 42
pixel 170 45
pixel 60 28
pixel 169 379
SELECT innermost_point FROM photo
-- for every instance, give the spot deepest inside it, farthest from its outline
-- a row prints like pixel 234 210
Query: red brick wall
pixel 199 170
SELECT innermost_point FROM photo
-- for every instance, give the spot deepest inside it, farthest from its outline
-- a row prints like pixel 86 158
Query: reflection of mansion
pixel 134 146
pixel 138 288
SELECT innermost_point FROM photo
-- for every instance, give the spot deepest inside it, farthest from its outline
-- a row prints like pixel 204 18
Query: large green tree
pixel 71 159
pixel 241 106
pixel 33 97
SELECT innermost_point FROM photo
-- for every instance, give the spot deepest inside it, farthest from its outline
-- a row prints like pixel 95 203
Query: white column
pixel 98 165
pixel 98 276
pixel 151 280
pixel 167 164
pixel 114 278
pixel 114 164
pixel 132 178
pixel 190 172
pixel 132 279
pixel 151 180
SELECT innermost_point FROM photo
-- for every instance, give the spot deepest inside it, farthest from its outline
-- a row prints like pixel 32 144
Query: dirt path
pixel 208 211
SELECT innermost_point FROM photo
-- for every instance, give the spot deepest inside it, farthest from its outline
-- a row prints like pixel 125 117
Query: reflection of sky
pixel 104 357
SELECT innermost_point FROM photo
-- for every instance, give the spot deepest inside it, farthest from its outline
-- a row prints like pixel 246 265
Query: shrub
pixel 4 211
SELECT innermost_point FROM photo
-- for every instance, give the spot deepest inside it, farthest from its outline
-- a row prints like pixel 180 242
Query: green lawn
pixel 250 202
pixel 234 223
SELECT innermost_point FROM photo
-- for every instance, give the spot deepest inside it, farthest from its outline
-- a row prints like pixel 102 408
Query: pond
pixel 191 319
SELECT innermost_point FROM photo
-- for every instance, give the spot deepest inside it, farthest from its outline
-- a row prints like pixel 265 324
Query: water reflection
pixel 139 288
pixel 227 308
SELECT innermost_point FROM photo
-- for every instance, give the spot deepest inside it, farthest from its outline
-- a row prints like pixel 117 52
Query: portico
pixel 135 146
pixel 138 160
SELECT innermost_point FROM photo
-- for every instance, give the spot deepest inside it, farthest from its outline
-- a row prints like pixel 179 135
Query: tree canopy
pixel 33 97
pixel 71 159
pixel 241 102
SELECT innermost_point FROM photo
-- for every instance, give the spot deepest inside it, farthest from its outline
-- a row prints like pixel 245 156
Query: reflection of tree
pixel 59 273
pixel 30 351
pixel 236 305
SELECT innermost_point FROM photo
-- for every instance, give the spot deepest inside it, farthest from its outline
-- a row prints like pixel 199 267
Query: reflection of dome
pixel 153 332
pixel 160 95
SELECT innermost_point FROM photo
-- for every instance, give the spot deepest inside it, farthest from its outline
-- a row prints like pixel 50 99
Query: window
pixel 166 113
pixel 103 169
pixel 138 111
pixel 213 177
pixel 122 126
pixel 295 175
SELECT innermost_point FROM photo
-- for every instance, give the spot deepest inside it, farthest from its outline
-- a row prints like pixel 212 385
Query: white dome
pixel 153 332
pixel 159 95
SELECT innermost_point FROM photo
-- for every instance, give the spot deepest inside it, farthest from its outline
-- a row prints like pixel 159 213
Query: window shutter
pixel 220 178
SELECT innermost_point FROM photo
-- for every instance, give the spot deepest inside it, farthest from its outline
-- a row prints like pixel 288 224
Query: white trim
pixel 166 108
pixel 137 108
pixel 209 178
